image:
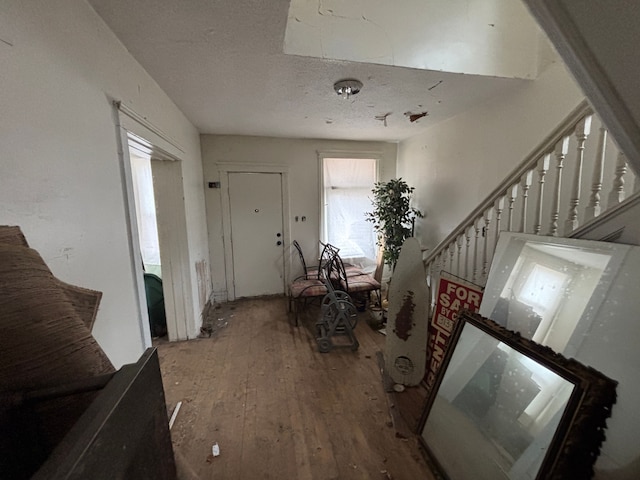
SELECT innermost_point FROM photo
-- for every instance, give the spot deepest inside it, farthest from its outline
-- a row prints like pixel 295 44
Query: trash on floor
pixel 174 414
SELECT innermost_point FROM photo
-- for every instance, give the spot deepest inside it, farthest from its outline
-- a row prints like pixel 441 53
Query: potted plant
pixel 393 217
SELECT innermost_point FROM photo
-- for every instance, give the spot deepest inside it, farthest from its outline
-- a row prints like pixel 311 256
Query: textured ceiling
pixel 222 63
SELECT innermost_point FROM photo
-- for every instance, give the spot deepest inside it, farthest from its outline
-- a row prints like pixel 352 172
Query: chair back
pixel 329 252
pixel 338 272
pixel 304 264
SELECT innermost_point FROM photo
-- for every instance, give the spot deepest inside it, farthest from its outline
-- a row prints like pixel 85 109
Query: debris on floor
pixel 174 414
pixel 216 317
pixel 205 332
pixel 398 387
pixel 215 452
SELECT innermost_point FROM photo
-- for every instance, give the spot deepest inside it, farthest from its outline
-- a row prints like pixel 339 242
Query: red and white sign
pixel 454 294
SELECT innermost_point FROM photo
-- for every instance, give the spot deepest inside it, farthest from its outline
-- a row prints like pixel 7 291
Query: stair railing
pixel 544 195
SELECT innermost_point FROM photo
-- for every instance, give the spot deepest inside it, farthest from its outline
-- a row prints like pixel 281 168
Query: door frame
pixel 174 249
pixel 225 169
pixel 174 255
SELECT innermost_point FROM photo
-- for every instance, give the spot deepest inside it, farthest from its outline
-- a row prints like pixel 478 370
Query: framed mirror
pixel 551 290
pixel 580 298
pixel 504 407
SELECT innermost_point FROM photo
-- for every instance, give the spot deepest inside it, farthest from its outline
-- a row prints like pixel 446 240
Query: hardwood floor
pixel 279 409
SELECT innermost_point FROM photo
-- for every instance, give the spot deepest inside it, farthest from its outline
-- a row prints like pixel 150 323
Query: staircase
pixel 572 181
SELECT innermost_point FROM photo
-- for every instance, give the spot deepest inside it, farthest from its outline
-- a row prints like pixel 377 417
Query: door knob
pixel 279 243
pixel 278 234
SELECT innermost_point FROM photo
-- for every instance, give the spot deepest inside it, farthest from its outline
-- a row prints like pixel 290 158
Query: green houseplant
pixel 392 217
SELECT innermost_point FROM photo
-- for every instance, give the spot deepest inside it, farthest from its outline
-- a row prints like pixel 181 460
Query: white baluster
pixel 459 245
pixel 427 271
pixel 542 172
pixel 617 194
pixel 561 150
pixel 583 128
pixel 485 253
pixel 593 209
pixel 512 194
pixel 452 251
pixel 432 288
pixel 467 234
pixel 499 207
pixel 476 227
pixel 527 178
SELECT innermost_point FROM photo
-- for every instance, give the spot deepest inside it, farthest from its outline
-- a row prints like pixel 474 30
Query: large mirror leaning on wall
pixel 504 407
pixel 550 289
pixel 581 298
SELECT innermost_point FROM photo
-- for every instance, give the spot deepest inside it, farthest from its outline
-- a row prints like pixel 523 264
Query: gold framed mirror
pixel 505 407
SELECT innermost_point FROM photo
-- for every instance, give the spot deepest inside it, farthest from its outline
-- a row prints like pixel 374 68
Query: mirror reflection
pixel 549 289
pixel 495 412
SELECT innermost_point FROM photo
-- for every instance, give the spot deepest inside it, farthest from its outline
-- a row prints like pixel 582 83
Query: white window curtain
pixel 145 211
pixel 347 188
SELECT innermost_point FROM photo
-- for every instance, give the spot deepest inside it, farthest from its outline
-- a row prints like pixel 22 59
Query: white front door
pixel 257 239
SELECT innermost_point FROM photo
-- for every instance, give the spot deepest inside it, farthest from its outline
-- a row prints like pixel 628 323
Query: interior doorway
pixel 145 204
pixel 146 218
pixel 161 237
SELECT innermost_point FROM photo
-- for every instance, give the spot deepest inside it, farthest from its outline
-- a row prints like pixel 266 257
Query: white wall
pixel 598 40
pixel 457 163
pixel 301 156
pixel 487 37
pixel 60 174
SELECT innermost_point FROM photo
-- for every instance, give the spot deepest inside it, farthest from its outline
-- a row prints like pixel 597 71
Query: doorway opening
pixel 145 204
pixel 149 243
pixel 160 240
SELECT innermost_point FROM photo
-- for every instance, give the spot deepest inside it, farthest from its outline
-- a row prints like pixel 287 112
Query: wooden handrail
pixel 568 161
pixel 548 144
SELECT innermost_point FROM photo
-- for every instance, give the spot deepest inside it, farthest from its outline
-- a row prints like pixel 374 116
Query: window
pixel 346 188
pixel 543 289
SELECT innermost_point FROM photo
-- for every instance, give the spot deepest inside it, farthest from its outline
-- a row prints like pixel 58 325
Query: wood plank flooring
pixel 278 408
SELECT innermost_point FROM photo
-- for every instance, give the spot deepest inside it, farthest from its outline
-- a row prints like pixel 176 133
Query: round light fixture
pixel 346 88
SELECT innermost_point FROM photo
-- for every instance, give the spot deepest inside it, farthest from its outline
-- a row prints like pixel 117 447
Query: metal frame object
pixel 338 317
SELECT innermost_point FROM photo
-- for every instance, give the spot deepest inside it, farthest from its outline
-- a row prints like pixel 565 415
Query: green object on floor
pixel 155 305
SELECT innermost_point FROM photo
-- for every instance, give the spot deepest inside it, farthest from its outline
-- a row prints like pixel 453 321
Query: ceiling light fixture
pixel 346 88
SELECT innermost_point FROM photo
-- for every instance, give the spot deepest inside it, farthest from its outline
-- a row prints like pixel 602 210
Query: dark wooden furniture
pixel 123 434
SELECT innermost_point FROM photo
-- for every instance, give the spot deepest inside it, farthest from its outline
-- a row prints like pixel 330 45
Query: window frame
pixel 326 154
